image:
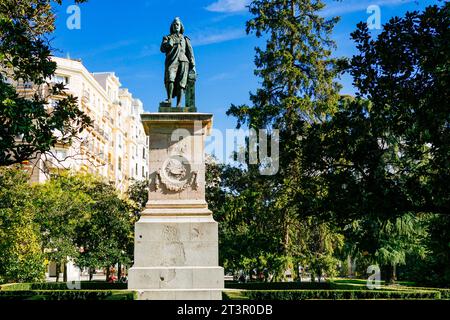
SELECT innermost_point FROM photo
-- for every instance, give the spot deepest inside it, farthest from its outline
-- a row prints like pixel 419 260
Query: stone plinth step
pixel 176 278
pixel 180 294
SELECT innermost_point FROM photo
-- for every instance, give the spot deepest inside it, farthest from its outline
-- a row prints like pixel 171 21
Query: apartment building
pixel 115 146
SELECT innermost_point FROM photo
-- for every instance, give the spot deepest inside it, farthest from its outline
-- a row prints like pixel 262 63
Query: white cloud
pixel 334 8
pixel 228 6
pixel 205 38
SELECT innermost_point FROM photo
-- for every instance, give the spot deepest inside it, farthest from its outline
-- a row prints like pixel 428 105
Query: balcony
pixel 85 97
pixel 107 116
pixel 25 86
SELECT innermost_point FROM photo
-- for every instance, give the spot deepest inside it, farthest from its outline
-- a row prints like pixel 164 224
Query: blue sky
pixel 124 37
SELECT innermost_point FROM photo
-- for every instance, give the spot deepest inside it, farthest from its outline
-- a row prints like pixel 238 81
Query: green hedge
pixel 67 295
pixel 278 285
pixel 445 293
pixel 85 285
pixel 340 294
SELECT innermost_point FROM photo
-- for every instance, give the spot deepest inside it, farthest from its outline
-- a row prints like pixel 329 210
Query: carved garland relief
pixel 176 173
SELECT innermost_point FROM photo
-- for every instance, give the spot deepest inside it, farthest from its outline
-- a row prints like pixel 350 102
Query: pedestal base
pixel 182 283
pixel 176 257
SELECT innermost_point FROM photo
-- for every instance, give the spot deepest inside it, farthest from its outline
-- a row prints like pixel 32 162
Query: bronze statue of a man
pixel 179 62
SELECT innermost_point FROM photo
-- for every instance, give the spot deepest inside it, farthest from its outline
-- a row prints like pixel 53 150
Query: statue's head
pixel 176 26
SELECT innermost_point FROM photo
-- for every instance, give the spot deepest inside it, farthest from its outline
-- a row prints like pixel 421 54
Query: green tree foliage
pixel 106 233
pixel 296 67
pixel 75 216
pixel 60 205
pixel 384 155
pixel 251 233
pixel 28 124
pixel 434 269
pixel 437 270
pixel 137 193
pixel 21 256
pixel 370 167
pixel 246 240
pixel 298 89
pixel 388 243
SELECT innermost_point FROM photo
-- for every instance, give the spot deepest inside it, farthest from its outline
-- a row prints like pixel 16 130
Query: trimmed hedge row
pixel 67 295
pixel 279 285
pixel 85 285
pixel 340 294
pixel 445 293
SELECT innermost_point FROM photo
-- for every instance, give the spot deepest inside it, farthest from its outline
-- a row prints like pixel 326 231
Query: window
pixel 60 154
pixel 143 153
pixel 137 169
pixel 52 103
pixel 60 79
pixel 119 164
pixel 143 173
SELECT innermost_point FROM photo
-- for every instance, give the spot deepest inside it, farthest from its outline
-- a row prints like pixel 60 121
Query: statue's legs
pixel 182 77
pixel 180 97
pixel 170 88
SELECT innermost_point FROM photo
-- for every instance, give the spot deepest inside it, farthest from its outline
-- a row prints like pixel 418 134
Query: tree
pixel 251 232
pixel 437 270
pixel 138 194
pixel 60 204
pixel 386 152
pixel 434 270
pixel 298 89
pixel 21 256
pixel 106 233
pixel 29 125
pixel 384 155
pixel 388 243
pixel 404 73
pixel 246 240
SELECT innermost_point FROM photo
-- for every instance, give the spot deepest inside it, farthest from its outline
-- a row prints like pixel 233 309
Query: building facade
pixel 115 146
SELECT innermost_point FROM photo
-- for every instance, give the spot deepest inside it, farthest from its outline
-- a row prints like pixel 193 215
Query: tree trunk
pixel 91 274
pixel 389 274
pixel 107 273
pixel 394 274
pixel 65 272
pixel 349 266
pixel 119 271
pixel 58 269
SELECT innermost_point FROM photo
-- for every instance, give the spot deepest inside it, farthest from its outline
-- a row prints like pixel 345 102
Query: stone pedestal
pixel 176 239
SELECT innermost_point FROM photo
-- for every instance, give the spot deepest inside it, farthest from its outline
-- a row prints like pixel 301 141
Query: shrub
pixel 85 285
pixel 67 295
pixel 340 294
pixel 278 285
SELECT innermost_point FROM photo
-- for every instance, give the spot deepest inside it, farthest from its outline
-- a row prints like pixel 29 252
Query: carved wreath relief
pixel 175 173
